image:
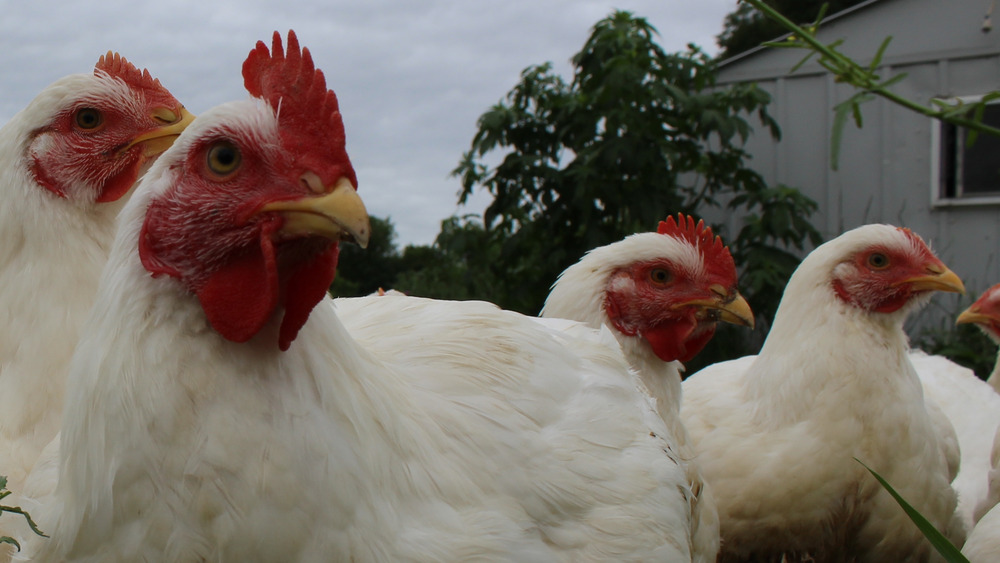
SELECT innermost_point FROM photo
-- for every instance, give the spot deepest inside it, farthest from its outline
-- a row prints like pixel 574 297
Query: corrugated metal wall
pixel 885 172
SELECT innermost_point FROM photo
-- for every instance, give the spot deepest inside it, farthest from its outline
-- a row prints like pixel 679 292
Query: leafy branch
pixel 4 493
pixel 869 83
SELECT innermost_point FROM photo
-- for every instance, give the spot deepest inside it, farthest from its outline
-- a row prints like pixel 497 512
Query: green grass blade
pixel 947 550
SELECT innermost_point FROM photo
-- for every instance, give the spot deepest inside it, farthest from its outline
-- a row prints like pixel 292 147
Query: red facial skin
pixel 987 311
pixel 80 154
pixel 208 230
pixel 648 299
pixel 876 279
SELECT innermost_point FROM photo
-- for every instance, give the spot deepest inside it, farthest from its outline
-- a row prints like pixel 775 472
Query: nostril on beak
pixel 165 116
pixel 312 182
pixel 719 290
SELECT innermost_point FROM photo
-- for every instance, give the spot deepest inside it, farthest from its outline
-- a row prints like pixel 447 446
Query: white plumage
pixel 65 160
pixel 982 412
pixel 444 431
pixel 972 408
pixel 680 276
pixel 983 545
pixel 777 434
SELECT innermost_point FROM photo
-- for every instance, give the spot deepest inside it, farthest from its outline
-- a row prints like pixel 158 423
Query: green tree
pixel 461 264
pixel 638 134
pixel 362 271
pixel 746 27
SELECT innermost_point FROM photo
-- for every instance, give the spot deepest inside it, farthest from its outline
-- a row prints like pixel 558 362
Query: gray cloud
pixel 412 77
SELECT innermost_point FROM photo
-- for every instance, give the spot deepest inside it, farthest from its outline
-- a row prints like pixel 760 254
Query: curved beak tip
pixel 737 311
pixel 362 236
pixel 338 214
pixel 725 307
pixel 972 316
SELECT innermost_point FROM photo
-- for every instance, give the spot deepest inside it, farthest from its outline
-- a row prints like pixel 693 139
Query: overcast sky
pixel 412 76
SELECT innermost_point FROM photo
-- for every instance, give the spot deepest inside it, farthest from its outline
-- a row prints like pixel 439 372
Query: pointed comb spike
pixel 668 226
pixel 700 236
pixel 685 228
pixel 277 47
pixel 117 66
pixel 309 117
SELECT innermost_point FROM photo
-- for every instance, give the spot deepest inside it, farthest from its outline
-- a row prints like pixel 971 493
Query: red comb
pixel 920 245
pixel 699 235
pixel 309 114
pixel 116 66
pixel 911 235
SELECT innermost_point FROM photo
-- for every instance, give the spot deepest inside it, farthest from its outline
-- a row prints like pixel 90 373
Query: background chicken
pixel 777 434
pixel 465 432
pixel 985 314
pixel 66 160
pixel 661 295
pixel 972 408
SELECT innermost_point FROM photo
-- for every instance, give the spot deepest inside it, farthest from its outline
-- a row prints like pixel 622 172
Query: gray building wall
pixel 886 168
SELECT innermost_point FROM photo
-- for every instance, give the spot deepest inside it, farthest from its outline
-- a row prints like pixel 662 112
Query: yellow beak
pixel 158 140
pixel 337 214
pixel 724 307
pixel 972 315
pixel 939 278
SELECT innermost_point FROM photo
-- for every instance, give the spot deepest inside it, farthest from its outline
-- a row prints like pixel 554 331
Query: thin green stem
pixel 848 71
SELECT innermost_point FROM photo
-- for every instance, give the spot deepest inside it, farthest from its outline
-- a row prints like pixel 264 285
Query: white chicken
pixel 972 408
pixel 661 294
pixel 985 314
pixel 777 434
pixel 219 414
pixel 983 545
pixel 66 161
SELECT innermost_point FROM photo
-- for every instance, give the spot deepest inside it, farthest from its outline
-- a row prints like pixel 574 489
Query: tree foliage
pixel 746 28
pixel 460 265
pixel 364 271
pixel 636 135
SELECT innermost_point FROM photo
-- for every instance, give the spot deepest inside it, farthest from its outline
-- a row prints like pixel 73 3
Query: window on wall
pixel 967 171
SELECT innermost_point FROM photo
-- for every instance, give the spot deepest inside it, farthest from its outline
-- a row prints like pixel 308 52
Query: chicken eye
pixel 88 118
pixel 659 276
pixel 223 158
pixel 878 261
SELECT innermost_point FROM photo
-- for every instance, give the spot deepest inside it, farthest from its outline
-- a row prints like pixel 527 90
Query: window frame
pixel 938 198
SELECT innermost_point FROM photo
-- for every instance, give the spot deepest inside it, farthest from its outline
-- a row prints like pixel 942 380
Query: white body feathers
pixel 777 434
pixel 50 261
pixel 446 431
pixel 579 295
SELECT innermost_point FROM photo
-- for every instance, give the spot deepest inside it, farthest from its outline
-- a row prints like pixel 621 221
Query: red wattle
pixel 681 340
pixel 668 339
pixel 239 297
pixel 306 287
pixel 119 184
